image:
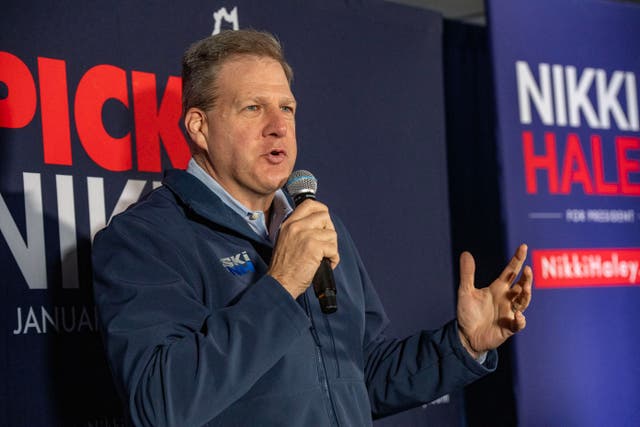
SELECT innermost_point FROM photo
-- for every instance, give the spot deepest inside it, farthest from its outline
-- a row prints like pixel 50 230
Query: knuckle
pixel 294 227
pixel 320 205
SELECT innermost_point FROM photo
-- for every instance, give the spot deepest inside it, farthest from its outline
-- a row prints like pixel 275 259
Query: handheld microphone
pixel 302 185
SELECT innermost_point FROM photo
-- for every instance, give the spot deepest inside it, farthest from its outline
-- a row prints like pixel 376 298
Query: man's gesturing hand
pixel 488 316
pixel 307 236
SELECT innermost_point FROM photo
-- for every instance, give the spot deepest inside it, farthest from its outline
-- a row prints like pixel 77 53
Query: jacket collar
pixel 199 199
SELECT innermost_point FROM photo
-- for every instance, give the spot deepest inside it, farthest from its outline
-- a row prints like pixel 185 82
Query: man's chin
pixel 278 180
pixel 268 187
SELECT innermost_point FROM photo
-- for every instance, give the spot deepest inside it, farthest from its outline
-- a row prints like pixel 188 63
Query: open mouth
pixel 276 155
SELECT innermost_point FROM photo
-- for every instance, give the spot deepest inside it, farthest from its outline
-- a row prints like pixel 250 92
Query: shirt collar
pixel 280 208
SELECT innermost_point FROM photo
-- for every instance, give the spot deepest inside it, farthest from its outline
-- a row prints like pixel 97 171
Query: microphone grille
pixel 302 182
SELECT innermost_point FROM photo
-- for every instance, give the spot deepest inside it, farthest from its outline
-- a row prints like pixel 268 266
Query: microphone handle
pixel 324 286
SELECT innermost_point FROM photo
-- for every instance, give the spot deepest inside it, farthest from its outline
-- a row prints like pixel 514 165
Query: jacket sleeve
pixel 175 361
pixel 405 373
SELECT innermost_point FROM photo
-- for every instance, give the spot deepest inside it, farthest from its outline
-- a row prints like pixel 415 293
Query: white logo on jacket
pixel 238 264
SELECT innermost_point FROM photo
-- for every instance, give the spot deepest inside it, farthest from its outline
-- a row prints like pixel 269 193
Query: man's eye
pixel 252 108
pixel 287 108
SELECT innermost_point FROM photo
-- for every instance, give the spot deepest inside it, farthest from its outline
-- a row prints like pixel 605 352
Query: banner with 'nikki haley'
pixel 566 75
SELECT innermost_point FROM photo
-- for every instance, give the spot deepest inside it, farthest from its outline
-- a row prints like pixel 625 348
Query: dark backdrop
pixel 371 127
pixel 475 204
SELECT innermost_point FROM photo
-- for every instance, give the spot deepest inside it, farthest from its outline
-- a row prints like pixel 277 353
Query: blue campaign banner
pixel 566 76
pixel 90 116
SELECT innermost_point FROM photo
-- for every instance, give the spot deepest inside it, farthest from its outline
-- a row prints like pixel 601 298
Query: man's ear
pixel 195 122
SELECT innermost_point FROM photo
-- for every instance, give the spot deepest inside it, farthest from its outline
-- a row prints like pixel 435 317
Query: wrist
pixel 294 291
pixel 467 345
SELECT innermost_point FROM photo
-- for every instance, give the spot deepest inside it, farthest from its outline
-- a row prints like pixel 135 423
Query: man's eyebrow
pixel 263 98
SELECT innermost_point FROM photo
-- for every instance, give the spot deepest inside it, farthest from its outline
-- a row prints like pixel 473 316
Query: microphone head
pixel 302 185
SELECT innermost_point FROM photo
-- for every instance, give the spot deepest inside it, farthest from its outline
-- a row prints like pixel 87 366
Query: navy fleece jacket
pixel 197 334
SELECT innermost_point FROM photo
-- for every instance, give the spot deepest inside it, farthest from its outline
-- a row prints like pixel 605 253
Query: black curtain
pixel 474 196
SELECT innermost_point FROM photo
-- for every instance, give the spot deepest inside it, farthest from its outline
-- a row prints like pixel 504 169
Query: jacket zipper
pixel 322 369
pixel 327 324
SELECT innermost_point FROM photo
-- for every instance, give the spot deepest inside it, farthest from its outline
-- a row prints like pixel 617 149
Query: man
pixel 203 287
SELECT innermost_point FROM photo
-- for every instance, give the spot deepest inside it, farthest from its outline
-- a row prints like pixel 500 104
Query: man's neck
pixel 264 222
pixel 254 202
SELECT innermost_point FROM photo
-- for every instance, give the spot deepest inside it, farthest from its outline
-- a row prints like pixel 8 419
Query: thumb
pixel 467 272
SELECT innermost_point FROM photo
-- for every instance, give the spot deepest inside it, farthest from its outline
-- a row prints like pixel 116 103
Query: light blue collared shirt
pixel 280 207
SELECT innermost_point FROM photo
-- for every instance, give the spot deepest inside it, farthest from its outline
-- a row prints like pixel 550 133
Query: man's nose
pixel 277 124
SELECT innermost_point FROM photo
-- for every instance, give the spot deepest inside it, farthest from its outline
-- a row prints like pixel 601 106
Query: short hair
pixel 201 63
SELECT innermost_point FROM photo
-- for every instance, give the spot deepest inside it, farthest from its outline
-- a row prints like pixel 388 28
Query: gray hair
pixel 202 61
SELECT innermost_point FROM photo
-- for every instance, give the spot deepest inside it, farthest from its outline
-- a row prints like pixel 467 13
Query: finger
pixel 319 212
pixel 320 242
pixel 318 220
pixel 328 248
pixel 334 259
pixel 528 278
pixel 523 296
pixel 321 236
pixel 467 271
pixel 311 205
pixel 514 292
pixel 306 208
pixel 519 321
pixel 512 269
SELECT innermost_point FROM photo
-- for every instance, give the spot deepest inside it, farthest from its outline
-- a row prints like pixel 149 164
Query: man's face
pixel 251 134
